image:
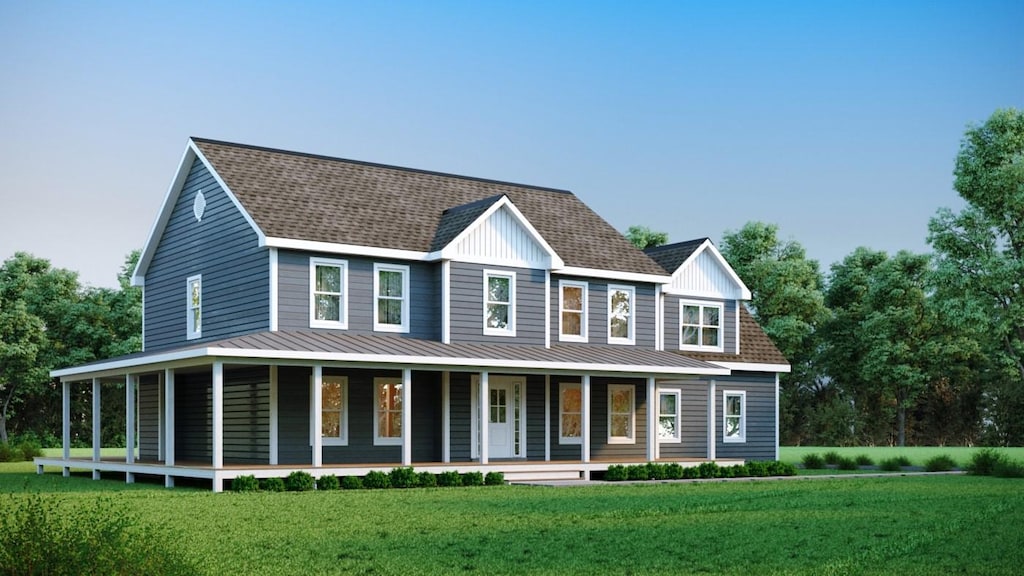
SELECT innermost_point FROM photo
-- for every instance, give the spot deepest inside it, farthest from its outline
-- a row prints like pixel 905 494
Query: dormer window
pixel 700 326
pixel 328 298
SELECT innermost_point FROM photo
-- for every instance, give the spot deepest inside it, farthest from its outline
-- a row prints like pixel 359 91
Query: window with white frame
pixel 668 416
pixel 620 314
pixel 500 303
pixel 700 326
pixel 391 285
pixel 328 281
pixel 573 320
pixel 621 414
pixel 194 307
pixel 387 425
pixel 334 410
pixel 734 413
pixel 570 413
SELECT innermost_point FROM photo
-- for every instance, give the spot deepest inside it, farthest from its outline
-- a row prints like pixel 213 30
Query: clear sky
pixel 837 121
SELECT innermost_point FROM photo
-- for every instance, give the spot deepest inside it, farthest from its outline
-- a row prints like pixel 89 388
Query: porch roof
pixel 301 347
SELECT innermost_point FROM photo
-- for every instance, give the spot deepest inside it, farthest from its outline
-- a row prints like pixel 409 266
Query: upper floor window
pixel 328 281
pixel 734 413
pixel 570 413
pixel 500 303
pixel 621 327
pixel 387 425
pixel 700 326
pixel 391 285
pixel 573 319
pixel 334 410
pixel 194 307
pixel 621 414
pixel 668 416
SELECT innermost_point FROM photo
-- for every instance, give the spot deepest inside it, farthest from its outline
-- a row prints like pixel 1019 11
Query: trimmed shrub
pixel 328 482
pixel 673 471
pixel 864 460
pixel 351 483
pixel 449 478
pixel 984 462
pixel 691 472
pixel 637 472
pixel 776 468
pixel 940 463
pixel 273 484
pixel 247 483
pixel 376 480
pixel 473 479
pixel 757 468
pixel 427 479
pixel 707 470
pixel 846 463
pixel 656 471
pixel 813 462
pixel 404 477
pixel 831 457
pixel 494 479
pixel 890 465
pixel 616 473
pixel 299 481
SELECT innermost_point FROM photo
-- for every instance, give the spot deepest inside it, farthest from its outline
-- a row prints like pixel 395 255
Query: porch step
pixel 542 475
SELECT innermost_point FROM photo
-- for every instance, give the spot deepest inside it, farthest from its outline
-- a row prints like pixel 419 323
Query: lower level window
pixel 388 421
pixel 621 416
pixel 334 410
pixel 668 416
pixel 570 412
pixel 734 411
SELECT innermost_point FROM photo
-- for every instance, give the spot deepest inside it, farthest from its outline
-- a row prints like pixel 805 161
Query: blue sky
pixel 837 121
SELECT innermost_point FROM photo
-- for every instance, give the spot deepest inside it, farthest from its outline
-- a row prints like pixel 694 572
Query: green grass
pixel 918 455
pixel 907 525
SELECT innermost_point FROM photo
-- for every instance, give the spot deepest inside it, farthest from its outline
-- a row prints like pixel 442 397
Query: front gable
pixel 706 274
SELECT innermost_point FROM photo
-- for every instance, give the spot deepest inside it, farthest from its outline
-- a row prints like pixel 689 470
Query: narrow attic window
pixel 194 307
pixel 199 205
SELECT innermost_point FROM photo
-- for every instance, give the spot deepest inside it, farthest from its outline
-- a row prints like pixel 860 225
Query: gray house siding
pixel 535 416
pixel 600 449
pixel 293 445
pixel 247 415
pixel 467 305
pixel 672 327
pixel 149 417
pixel 693 420
pixel 460 400
pixel 192 417
pixel 597 311
pixel 294 291
pixel 222 247
pixel 760 419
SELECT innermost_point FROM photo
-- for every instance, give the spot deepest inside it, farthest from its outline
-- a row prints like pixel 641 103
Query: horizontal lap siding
pixel 294 292
pixel 597 310
pixel 293 415
pixel 672 327
pixel 599 446
pixel 222 247
pixel 247 415
pixel 467 305
pixel 460 401
pixel 760 405
pixel 193 417
pixel 694 420
pixel 149 417
pixel 535 417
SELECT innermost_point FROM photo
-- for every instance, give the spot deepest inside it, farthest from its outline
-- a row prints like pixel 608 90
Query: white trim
pixel 446 417
pixel 483 398
pixel 659 318
pixel 631 438
pixel 584 313
pixel 742 436
pixel 130 418
pixel 65 405
pixel 159 418
pixel 562 438
pixel 261 237
pixel 406 417
pixel 274 417
pixel 614 275
pixel 218 414
pixel 701 305
pixel 752 366
pixel 547 309
pixel 510 328
pixel 274 279
pixel 585 418
pixel 712 437
pixel 777 440
pixel 379 440
pixel 143 288
pixel 707 245
pixel 169 416
pixel 191 331
pixel 678 438
pixel 342 322
pixel 737 321
pixel 446 302
pixel 343 415
pixel 474 416
pixel 347 249
pixel 402 328
pixel 316 414
pixel 631 338
pixel 547 417
pixel 449 250
pixel 96 428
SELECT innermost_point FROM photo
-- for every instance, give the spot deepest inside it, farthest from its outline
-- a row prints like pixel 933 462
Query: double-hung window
pixel 570 413
pixel 620 314
pixel 499 303
pixel 573 320
pixel 700 326
pixel 621 414
pixel 328 294
pixel 194 307
pixel 734 416
pixel 668 416
pixel 334 410
pixel 387 425
pixel 391 286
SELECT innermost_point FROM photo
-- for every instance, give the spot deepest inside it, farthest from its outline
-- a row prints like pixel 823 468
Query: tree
pixel 643 237
pixel 980 260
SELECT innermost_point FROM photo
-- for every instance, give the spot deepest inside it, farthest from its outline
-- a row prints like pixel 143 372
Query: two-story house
pixel 311 313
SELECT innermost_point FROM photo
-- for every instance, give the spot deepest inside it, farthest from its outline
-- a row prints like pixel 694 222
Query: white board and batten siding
pixel 499 239
pixel 705 276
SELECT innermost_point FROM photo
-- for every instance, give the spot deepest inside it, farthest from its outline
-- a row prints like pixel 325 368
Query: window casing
pixel 570 413
pixel 734 416
pixel 391 290
pixel 328 293
pixel 621 324
pixel 499 303
pixel 194 307
pixel 669 421
pixel 572 320
pixel 334 410
pixel 621 414
pixel 700 326
pixel 387 423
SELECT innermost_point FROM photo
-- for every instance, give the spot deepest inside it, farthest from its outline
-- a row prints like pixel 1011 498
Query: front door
pixel 500 432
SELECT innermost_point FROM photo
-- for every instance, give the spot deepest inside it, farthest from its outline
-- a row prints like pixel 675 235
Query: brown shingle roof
pixel 322 199
pixel 755 346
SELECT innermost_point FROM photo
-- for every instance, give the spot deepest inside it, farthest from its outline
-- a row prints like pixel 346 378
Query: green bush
pixel 245 484
pixel 904 460
pixel 616 473
pixel 351 482
pixel 691 472
pixel 299 481
pixel 637 472
pixel 846 463
pixel 707 470
pixel 984 462
pixel 494 479
pixel 831 457
pixel 473 478
pixel 813 461
pixel 673 471
pixel 29 449
pixel 777 468
pixel 449 478
pixel 8 453
pixel 328 482
pixel 890 465
pixel 273 484
pixel 404 477
pixel 427 479
pixel 864 460
pixel 376 480
pixel 940 463
pixel 656 471
pixel 1007 468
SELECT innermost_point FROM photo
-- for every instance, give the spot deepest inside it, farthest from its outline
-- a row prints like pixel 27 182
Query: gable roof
pixel 699 269
pixel 671 256
pixel 332 201
pixel 755 346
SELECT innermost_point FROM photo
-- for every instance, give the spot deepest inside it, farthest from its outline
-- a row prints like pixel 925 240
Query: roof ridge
pixel 676 244
pixel 380 165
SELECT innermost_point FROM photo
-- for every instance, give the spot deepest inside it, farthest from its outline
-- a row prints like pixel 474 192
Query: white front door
pixel 504 415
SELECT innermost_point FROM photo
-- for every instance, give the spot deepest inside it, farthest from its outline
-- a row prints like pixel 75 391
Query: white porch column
pixel 711 420
pixel 316 437
pixel 547 418
pixel 483 399
pixel 169 424
pixel 585 417
pixel 66 428
pixel 96 436
pixel 273 416
pixel 777 439
pixel 218 416
pixel 406 417
pixel 446 417
pixel 129 428
pixel 652 420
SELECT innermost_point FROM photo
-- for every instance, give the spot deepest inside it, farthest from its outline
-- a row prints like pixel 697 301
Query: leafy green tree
pixel 643 237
